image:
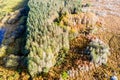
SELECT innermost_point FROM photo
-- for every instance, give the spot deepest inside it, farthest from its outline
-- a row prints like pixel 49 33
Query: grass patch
pixel 7 6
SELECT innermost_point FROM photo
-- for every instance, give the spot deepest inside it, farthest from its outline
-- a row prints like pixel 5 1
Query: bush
pixel 44 37
pixel 98 51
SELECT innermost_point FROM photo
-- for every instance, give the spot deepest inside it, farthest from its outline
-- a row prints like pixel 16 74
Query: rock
pixel 11 61
pixel 113 78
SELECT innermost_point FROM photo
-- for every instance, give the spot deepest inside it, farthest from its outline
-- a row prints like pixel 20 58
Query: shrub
pixel 44 37
pixel 98 51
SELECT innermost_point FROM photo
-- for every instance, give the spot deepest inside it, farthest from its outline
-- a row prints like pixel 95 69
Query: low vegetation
pixel 61 43
pixel 7 6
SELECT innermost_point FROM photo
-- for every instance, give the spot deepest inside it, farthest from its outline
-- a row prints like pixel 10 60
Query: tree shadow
pixel 19 34
pixel 22 4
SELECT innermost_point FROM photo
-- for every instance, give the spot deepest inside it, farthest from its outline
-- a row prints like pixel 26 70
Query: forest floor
pixel 108 11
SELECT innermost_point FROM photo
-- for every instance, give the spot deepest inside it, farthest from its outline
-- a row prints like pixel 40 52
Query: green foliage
pixel 64 75
pixel 98 51
pixel 10 50
pixel 61 57
pixel 12 61
pixel 3 51
pixel 94 54
pixel 44 38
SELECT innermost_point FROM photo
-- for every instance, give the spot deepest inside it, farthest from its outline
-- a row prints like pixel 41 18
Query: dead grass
pixel 7 6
